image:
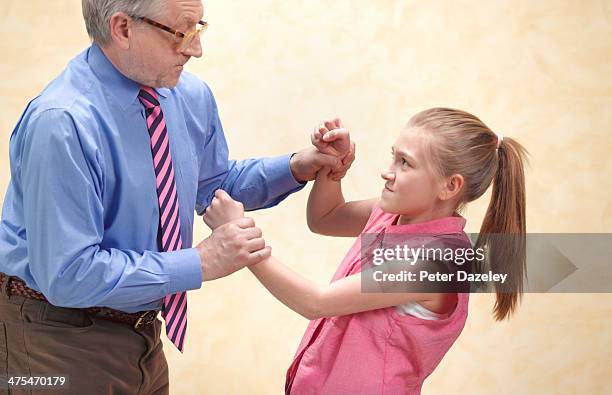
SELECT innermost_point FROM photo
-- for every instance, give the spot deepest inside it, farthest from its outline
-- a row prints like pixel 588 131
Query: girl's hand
pixel 222 209
pixel 331 138
pixel 347 161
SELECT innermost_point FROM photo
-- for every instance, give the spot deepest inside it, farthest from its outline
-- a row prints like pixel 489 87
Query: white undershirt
pixel 416 310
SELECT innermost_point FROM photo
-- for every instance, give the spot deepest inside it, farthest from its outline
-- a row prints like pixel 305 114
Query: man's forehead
pixel 182 11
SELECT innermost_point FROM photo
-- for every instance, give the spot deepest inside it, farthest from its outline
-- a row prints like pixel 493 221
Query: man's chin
pixel 170 82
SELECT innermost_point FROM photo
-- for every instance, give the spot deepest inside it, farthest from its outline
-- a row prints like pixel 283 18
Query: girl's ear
pixel 451 187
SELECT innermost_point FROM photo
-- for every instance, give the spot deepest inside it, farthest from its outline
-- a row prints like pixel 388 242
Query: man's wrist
pixel 184 270
pixel 294 173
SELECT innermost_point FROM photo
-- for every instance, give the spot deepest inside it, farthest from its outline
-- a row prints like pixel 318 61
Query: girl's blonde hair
pixel 462 144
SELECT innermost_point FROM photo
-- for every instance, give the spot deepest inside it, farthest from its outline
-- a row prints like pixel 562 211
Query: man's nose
pixel 194 48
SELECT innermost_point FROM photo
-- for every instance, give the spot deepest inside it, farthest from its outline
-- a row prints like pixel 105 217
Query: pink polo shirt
pixel 378 351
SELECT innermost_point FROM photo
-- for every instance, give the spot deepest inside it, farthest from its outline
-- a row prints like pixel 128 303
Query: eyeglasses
pixel 186 38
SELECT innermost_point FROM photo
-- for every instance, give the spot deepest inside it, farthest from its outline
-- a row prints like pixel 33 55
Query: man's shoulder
pixel 68 92
pixel 192 88
pixel 63 108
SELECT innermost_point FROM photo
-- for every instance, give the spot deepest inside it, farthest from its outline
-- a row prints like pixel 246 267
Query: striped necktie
pixel 174 309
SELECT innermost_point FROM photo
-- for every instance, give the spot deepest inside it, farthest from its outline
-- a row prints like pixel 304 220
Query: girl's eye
pixel 404 162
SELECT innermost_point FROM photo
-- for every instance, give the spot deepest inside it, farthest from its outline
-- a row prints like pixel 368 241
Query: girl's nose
pixel 387 175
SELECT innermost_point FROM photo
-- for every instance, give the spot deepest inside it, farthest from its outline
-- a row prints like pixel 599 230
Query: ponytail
pixel 503 230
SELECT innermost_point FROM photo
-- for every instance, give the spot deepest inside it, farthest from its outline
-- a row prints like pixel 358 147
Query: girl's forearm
pixel 299 294
pixel 313 301
pixel 325 196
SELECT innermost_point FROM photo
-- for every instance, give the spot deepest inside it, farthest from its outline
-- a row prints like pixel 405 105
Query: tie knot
pixel 148 97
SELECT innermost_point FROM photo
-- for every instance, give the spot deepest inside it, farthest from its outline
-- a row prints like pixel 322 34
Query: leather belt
pixel 139 320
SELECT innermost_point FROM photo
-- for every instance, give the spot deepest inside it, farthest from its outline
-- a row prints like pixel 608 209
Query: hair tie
pixel 500 138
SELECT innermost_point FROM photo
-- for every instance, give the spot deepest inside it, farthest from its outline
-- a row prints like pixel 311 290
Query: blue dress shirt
pixel 80 217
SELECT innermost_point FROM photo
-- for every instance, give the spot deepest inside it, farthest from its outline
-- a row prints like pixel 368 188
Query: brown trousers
pixel 98 356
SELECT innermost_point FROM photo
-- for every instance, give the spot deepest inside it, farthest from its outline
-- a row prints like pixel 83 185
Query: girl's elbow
pixel 318 227
pixel 315 312
pixel 309 315
pixel 312 315
pixel 313 225
pixel 316 306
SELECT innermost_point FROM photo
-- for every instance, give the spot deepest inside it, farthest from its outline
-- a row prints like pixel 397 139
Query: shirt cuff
pixel 279 175
pixel 184 270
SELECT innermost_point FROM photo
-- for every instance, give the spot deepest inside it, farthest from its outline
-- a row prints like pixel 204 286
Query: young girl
pixel 388 343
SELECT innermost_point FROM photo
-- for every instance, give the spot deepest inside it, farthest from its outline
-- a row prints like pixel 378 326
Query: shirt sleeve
pixel 257 183
pixel 63 182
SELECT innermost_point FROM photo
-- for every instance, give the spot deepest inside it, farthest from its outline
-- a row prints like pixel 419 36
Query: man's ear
pixel 120 29
pixel 451 187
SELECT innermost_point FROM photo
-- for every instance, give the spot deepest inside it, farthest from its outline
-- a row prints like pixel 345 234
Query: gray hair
pixel 97 14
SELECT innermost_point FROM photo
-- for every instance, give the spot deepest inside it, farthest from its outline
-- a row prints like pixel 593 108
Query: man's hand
pixel 306 163
pixel 222 209
pixel 231 247
pixel 333 149
pixel 235 241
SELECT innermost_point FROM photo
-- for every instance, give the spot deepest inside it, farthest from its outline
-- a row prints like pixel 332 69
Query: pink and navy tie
pixel 174 310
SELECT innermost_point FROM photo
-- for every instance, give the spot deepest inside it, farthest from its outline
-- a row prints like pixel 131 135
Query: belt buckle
pixel 145 319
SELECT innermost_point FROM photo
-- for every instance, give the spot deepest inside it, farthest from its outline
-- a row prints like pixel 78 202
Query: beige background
pixel 537 71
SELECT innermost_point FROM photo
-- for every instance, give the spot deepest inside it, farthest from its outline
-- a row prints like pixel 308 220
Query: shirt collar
pixel 445 225
pixel 123 89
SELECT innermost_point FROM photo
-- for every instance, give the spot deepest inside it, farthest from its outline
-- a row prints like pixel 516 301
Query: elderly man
pixel 108 165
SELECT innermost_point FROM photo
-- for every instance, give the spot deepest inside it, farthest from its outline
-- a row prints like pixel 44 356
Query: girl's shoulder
pixel 378 219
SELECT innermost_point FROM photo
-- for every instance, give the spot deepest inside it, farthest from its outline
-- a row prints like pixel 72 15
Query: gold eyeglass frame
pixel 187 37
